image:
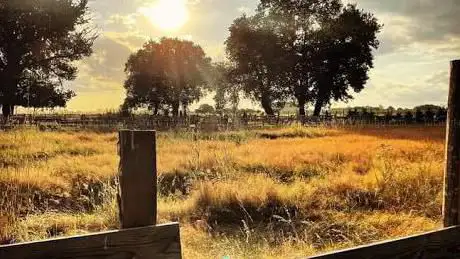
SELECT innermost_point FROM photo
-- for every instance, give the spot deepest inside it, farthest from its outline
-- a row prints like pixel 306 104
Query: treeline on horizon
pixel 209 110
pixel 421 113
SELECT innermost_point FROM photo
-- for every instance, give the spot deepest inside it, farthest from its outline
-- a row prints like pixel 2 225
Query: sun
pixel 168 15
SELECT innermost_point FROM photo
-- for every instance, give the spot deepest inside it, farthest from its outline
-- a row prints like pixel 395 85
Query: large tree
pixel 39 42
pixel 345 56
pixel 257 54
pixel 165 75
pixel 330 46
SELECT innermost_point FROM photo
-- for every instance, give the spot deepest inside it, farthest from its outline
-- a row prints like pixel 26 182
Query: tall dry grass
pixel 263 194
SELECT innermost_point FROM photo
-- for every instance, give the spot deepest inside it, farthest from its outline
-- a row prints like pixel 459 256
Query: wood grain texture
pixel 159 242
pixel 451 204
pixel 138 178
pixel 439 244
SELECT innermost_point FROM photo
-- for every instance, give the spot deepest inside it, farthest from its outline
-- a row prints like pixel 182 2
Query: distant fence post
pixel 451 204
pixel 138 178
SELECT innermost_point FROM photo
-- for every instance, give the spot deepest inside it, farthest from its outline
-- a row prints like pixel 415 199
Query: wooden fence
pixel 140 237
pixel 207 123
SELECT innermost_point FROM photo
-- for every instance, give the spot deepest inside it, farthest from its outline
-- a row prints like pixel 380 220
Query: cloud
pixel 381 90
pixel 245 10
pixel 103 71
pixel 438 78
pixel 419 24
pixel 418 40
pixel 119 21
pixel 433 20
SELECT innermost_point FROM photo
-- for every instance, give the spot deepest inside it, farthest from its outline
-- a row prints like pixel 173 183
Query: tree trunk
pixel 302 101
pixel 10 80
pixel 9 91
pixel 235 101
pixel 156 109
pixel 184 107
pixel 175 109
pixel 267 105
pixel 318 108
pixel 7 110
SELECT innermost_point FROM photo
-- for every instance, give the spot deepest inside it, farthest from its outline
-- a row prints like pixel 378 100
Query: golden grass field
pixel 268 194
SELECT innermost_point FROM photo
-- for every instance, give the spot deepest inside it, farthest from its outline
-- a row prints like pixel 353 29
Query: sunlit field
pixel 249 194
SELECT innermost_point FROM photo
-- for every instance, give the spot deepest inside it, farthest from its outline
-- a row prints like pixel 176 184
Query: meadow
pixel 284 192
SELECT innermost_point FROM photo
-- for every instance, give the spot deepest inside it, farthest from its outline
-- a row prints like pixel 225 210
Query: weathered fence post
pixel 451 203
pixel 138 178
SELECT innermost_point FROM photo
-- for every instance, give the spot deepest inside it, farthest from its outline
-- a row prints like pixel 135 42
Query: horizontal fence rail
pixel 162 241
pixel 444 243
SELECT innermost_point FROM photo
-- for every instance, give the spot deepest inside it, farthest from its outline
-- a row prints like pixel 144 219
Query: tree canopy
pixel 205 109
pixel 164 75
pixel 39 42
pixel 314 51
pixel 259 59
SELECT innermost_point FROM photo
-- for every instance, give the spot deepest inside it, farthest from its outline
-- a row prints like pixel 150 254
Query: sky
pixel 418 41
